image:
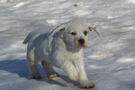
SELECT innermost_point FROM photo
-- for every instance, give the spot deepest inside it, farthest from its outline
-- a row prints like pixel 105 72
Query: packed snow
pixel 109 59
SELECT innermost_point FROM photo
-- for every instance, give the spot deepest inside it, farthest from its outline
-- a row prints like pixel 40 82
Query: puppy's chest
pixel 71 56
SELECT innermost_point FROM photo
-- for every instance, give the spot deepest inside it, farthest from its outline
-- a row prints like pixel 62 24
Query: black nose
pixel 81 41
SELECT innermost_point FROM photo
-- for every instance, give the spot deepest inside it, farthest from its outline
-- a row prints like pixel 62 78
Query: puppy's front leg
pixel 84 82
pixel 70 69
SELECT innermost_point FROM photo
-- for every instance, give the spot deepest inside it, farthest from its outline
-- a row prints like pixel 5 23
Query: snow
pixel 109 59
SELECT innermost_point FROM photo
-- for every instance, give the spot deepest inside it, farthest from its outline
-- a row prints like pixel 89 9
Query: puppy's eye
pixel 85 33
pixel 73 33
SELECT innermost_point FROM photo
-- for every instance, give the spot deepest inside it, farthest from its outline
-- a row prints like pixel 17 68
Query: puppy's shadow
pixel 59 80
pixel 66 78
pixel 16 67
pixel 20 68
pixel 52 81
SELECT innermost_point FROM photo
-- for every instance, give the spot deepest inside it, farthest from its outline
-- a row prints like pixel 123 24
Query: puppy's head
pixel 74 33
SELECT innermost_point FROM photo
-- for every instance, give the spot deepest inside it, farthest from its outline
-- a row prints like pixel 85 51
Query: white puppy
pixel 62 48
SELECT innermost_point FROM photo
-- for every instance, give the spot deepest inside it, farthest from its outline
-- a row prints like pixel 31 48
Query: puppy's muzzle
pixel 81 42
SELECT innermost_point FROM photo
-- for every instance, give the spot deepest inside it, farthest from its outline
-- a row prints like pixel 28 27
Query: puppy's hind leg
pixel 32 65
pixel 51 73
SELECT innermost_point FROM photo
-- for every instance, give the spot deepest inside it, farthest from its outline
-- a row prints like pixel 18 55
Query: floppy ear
pixel 92 27
pixel 56 29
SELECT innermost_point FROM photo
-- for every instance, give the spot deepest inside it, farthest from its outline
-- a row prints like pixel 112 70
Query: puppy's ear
pixel 92 27
pixel 56 29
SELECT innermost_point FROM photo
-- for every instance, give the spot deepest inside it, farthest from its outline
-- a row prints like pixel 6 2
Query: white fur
pixel 61 49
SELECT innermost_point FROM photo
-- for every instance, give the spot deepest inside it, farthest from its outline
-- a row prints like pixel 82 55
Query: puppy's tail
pixel 26 40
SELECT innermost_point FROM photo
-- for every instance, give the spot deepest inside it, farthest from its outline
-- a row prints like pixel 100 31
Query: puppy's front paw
pixel 87 84
pixel 74 76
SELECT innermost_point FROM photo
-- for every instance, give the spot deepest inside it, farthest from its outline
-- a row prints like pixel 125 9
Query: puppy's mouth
pixel 81 45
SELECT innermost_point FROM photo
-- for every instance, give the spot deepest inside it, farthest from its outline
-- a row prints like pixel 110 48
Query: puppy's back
pixel 33 35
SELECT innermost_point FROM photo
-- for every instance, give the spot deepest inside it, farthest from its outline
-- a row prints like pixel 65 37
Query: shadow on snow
pixel 20 68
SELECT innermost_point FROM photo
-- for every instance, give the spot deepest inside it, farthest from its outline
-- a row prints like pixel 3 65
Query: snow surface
pixel 109 60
